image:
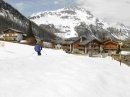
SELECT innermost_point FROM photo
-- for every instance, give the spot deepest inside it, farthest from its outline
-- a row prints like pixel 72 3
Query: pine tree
pixel 30 36
pixel 30 32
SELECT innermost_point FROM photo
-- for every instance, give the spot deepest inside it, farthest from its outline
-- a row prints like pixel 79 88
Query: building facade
pixel 12 35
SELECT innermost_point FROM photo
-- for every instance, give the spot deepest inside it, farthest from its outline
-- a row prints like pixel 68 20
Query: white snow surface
pixel 58 74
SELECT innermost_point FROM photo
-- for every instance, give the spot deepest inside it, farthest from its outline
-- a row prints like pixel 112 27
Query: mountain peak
pixel 121 24
pixel 72 8
pixel 69 20
pixel 65 20
pixel 76 8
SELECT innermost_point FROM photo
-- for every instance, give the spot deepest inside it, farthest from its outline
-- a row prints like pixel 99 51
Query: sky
pixel 108 10
pixel 58 74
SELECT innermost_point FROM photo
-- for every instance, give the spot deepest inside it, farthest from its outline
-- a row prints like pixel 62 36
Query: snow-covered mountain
pixel 68 20
pixel 12 18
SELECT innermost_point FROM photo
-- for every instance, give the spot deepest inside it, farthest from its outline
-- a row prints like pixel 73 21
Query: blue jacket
pixel 38 47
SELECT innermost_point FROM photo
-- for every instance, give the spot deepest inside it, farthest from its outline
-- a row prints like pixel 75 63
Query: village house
pixel 12 35
pixel 50 43
pixel 91 45
pixel 110 44
pixel 72 44
pixel 58 43
pixel 82 45
pixel 67 46
pixel 128 42
pixel 46 43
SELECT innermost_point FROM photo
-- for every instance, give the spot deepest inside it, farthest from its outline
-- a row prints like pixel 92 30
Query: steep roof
pixel 73 39
pixel 88 41
pixel 13 30
pixel 59 41
pixel 109 40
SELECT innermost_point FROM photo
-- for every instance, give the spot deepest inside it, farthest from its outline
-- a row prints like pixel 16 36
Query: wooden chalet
pixel 58 44
pixel 12 35
pixel 46 43
pixel 90 45
pixel 72 44
pixel 49 43
pixel 128 42
pixel 110 44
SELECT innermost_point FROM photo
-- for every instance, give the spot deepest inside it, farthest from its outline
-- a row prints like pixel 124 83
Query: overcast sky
pixel 110 10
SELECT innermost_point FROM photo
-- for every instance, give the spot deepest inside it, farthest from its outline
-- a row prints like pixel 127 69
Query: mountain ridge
pixel 12 18
pixel 67 19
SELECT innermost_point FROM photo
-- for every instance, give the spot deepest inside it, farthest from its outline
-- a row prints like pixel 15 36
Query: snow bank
pixel 125 52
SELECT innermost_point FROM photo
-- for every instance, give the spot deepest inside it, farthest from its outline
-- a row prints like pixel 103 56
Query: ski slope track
pixel 58 74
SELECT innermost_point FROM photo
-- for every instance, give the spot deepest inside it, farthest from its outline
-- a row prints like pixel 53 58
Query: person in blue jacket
pixel 38 48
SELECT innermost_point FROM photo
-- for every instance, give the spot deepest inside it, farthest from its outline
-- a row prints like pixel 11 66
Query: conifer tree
pixel 30 36
pixel 30 32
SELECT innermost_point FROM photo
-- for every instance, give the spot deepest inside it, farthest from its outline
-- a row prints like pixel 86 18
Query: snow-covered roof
pixel 88 41
pixel 109 39
pixel 59 41
pixel 18 31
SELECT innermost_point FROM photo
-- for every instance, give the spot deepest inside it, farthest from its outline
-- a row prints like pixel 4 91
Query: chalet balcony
pixel 110 47
pixel 80 48
pixel 65 47
pixel 92 48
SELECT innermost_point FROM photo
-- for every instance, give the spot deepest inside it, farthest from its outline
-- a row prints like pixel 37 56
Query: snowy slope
pixel 58 74
pixel 67 18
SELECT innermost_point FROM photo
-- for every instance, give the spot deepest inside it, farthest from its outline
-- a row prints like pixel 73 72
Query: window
pixel 7 34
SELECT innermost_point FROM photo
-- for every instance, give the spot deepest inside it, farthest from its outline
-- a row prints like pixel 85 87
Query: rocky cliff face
pixel 12 18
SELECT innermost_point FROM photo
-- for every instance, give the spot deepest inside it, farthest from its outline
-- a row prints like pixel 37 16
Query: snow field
pixel 58 74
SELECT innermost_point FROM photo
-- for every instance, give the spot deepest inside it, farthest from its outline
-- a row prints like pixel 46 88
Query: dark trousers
pixel 39 53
